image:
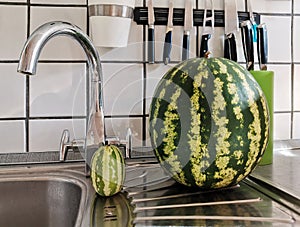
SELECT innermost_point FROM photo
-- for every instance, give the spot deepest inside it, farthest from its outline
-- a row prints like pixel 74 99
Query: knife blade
pixel 168 36
pixel 262 46
pixel 231 27
pixel 188 26
pixel 247 39
pixel 207 30
pixel 151 20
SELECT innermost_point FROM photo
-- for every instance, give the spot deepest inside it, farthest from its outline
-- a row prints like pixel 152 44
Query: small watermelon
pixel 108 170
pixel 209 122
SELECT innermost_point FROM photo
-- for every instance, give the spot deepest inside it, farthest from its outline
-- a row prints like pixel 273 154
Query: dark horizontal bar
pixel 161 16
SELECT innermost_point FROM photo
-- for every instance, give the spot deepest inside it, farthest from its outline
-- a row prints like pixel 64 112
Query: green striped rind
pixel 108 170
pixel 209 122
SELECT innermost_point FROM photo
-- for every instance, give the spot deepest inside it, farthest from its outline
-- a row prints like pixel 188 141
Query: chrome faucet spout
pixel 95 135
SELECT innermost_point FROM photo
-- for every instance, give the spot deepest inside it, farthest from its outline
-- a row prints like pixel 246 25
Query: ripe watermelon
pixel 209 122
pixel 108 170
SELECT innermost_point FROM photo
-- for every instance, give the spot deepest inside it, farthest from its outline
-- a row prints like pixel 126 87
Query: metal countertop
pixel 284 172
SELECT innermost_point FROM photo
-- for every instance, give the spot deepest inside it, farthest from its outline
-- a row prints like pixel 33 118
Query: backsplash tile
pixel 40 107
pixel 297 88
pixel 123 89
pixel 63 2
pixel 12 136
pixel 279 33
pixel 45 135
pixel 71 49
pixel 282 129
pixel 117 127
pixel 154 74
pixel 12 97
pixel 282 87
pixel 58 90
pixel 296 39
pixel 16 29
pixel 275 6
pixel 296 128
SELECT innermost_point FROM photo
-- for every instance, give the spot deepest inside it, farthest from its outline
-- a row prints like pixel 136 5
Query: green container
pixel 266 81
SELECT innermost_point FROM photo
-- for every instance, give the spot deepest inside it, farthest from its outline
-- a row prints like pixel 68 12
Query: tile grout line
pixel 27 111
pixel 145 76
pixel 292 70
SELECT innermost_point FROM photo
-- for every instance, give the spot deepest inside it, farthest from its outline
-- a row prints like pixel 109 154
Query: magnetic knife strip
pixel 161 16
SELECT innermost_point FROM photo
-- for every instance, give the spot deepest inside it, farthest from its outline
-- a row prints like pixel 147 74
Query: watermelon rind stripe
pixel 193 114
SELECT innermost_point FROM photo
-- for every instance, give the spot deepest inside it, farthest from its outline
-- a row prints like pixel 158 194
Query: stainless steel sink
pixel 51 196
pixel 60 195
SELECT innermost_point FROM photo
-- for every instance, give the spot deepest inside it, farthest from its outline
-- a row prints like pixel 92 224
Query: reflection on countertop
pixel 284 172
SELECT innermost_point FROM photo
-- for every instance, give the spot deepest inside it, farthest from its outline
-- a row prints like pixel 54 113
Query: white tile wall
pixel 43 106
pixel 297 88
pixel 296 128
pixel 44 135
pixel 59 1
pixel 279 33
pixel 15 29
pixel 154 73
pixel 58 90
pixel 296 39
pixel 118 127
pixel 282 129
pixel 12 92
pixel 71 49
pixel 12 136
pixel 282 87
pixel 272 6
pixel 123 89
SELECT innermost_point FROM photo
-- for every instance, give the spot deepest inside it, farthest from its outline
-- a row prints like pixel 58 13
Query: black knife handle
pixel 247 38
pixel 185 47
pixel 230 51
pixel 167 47
pixel 262 45
pixel 204 45
pixel 151 45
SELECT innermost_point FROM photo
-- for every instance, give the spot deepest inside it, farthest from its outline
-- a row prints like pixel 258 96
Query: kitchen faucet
pixel 95 134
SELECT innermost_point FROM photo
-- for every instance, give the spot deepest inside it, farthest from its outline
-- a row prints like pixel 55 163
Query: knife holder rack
pixel 161 16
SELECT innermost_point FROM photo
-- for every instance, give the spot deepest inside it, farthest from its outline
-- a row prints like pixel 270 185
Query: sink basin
pixel 39 202
pixel 42 199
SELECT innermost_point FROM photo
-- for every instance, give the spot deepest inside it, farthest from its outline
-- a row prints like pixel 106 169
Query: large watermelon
pixel 209 122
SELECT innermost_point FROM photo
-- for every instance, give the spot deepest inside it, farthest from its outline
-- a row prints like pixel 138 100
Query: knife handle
pixel 204 45
pixel 247 38
pixel 185 46
pixel 262 46
pixel 167 47
pixel 230 47
pixel 151 50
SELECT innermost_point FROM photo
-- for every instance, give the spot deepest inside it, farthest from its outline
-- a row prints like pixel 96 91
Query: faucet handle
pixel 126 143
pixel 75 145
pixel 65 145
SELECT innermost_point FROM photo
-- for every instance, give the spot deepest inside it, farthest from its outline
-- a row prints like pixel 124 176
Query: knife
pixel 231 27
pixel 207 31
pixel 253 22
pixel 168 37
pixel 151 19
pixel 247 39
pixel 262 46
pixel 188 26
